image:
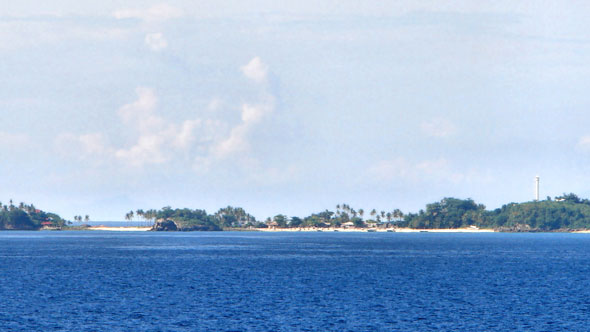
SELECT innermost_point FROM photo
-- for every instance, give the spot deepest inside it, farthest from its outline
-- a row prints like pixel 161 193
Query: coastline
pixel 315 229
pixel 378 230
pixel 119 228
pixel 327 229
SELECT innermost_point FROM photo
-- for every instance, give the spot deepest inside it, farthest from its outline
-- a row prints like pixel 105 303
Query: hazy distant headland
pixel 563 213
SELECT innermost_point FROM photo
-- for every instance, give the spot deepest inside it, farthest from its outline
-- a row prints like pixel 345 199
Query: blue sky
pixel 291 108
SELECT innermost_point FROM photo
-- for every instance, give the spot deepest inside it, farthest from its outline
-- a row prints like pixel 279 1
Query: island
pixel 28 217
pixel 566 213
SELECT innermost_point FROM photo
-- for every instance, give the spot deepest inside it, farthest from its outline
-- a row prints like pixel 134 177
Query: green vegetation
pixel 199 220
pixel 564 213
pixel 189 220
pixel 27 217
pixel 448 213
pixel 237 218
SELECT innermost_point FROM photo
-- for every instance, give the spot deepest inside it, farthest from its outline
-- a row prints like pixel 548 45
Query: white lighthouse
pixel 537 188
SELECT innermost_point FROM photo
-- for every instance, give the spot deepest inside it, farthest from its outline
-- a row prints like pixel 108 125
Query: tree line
pixel 563 212
pixel 236 217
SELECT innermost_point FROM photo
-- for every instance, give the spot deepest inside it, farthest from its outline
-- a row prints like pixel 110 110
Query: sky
pixel 291 108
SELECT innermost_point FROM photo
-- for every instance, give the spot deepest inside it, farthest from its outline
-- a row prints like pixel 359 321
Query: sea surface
pixel 249 281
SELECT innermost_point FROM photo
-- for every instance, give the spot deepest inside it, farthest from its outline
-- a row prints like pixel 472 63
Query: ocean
pixel 254 281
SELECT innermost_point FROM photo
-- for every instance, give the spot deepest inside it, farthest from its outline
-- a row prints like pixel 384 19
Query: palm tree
pixel 151 215
pixel 346 207
pixel 373 213
pixel 129 216
pixel 361 213
pixel 86 218
pixel 140 213
pixel 396 215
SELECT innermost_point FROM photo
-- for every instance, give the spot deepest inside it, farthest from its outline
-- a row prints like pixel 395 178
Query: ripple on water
pixel 293 282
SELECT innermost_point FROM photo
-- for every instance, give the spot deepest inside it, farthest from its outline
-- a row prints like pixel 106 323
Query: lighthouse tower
pixel 537 188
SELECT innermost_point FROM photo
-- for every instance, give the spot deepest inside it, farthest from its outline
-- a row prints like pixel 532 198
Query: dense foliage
pixel 27 217
pixel 188 220
pixel 448 213
pixel 565 212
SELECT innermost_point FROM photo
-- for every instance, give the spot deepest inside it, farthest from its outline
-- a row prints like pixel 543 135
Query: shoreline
pixel 328 230
pixel 313 229
pixel 379 230
pixel 119 228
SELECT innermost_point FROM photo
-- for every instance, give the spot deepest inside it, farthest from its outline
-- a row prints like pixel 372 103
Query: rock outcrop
pixel 516 228
pixel 165 225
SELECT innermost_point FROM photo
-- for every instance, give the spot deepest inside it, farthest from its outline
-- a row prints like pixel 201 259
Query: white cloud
pixel 160 141
pixel 238 138
pixel 94 144
pixel 435 170
pixel 160 12
pixel 147 150
pixel 157 140
pixel 146 102
pixel 251 114
pixel 388 170
pixel 438 127
pixel 255 70
pixel 84 147
pixel 140 113
pixel 236 142
pixel 156 41
pixel 584 142
pixel 438 169
pixel 185 134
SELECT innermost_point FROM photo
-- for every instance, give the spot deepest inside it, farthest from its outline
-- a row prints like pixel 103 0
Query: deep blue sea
pixel 248 281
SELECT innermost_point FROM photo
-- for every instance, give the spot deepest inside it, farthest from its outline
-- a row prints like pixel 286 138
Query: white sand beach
pixel 380 230
pixel 119 229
